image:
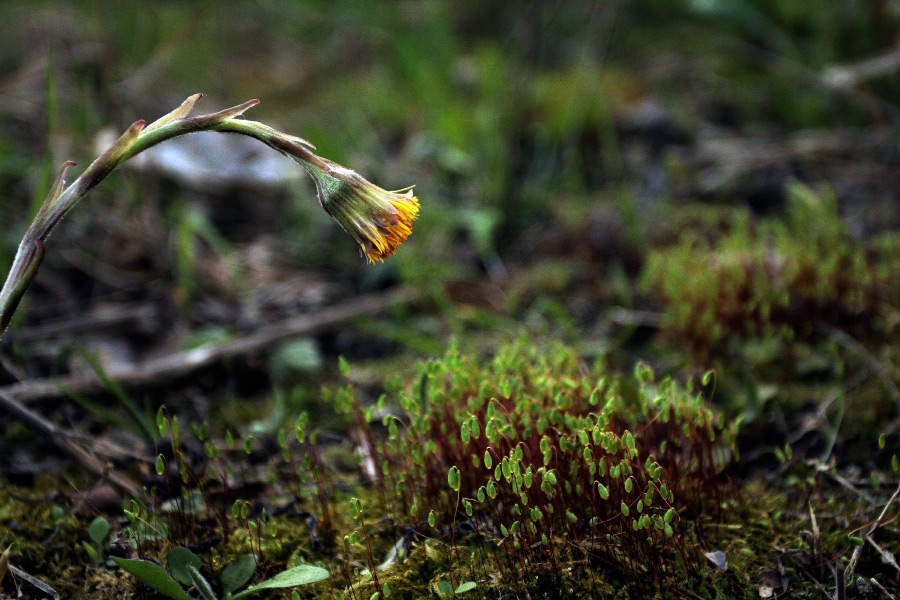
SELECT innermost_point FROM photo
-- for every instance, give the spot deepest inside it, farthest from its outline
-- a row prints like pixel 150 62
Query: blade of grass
pixel 119 394
pixel 100 412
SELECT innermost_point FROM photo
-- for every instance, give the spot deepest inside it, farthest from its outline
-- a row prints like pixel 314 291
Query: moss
pixel 547 421
pixel 774 283
pixel 550 465
pixel 45 545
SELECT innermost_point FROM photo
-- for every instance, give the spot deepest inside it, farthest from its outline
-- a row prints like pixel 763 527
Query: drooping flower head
pixel 377 219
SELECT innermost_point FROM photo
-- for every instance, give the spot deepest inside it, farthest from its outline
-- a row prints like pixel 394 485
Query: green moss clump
pixel 540 467
pixel 784 280
pixel 45 539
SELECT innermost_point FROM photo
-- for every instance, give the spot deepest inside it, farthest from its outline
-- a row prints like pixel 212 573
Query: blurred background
pixel 697 183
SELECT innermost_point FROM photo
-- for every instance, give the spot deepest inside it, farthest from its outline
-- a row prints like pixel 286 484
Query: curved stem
pixel 134 141
pixel 375 218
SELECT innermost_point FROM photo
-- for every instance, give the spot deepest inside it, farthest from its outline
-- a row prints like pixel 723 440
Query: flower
pixel 377 219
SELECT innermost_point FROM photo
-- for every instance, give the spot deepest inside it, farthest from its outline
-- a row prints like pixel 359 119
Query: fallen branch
pixel 846 77
pixel 181 364
pixel 13 398
pixel 132 318
pixel 69 443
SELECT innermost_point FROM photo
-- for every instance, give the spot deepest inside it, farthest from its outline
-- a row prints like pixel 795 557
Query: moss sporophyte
pixel 532 471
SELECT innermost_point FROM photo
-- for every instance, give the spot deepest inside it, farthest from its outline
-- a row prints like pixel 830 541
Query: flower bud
pixel 377 219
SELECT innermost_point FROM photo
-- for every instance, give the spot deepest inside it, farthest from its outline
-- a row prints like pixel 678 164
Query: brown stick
pixel 847 76
pixel 66 441
pixel 34 581
pixel 181 364
pixel 869 531
pixel 131 318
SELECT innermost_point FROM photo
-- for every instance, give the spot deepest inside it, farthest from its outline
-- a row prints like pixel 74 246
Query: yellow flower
pixel 377 219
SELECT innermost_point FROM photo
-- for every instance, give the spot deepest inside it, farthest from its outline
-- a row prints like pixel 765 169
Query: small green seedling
pixel 185 568
pixel 445 590
pixel 98 531
pixel 56 516
pixel 179 559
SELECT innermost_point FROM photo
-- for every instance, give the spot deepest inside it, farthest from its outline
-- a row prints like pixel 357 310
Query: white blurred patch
pixel 212 162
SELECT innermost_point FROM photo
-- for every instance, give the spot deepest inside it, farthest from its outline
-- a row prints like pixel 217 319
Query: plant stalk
pixel 135 140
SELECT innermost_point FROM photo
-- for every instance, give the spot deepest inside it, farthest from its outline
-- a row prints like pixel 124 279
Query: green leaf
pixel 300 575
pixel 92 553
pixel 179 559
pixel 153 575
pixel 141 422
pixel 465 587
pixel 237 573
pixel 98 530
pixel 444 588
pixel 201 583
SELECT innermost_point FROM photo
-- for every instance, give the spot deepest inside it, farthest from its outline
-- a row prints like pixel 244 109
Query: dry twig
pixel 34 581
pixel 869 531
pixel 886 593
pixel 845 77
pixel 68 442
pixel 12 398
pixel 181 364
